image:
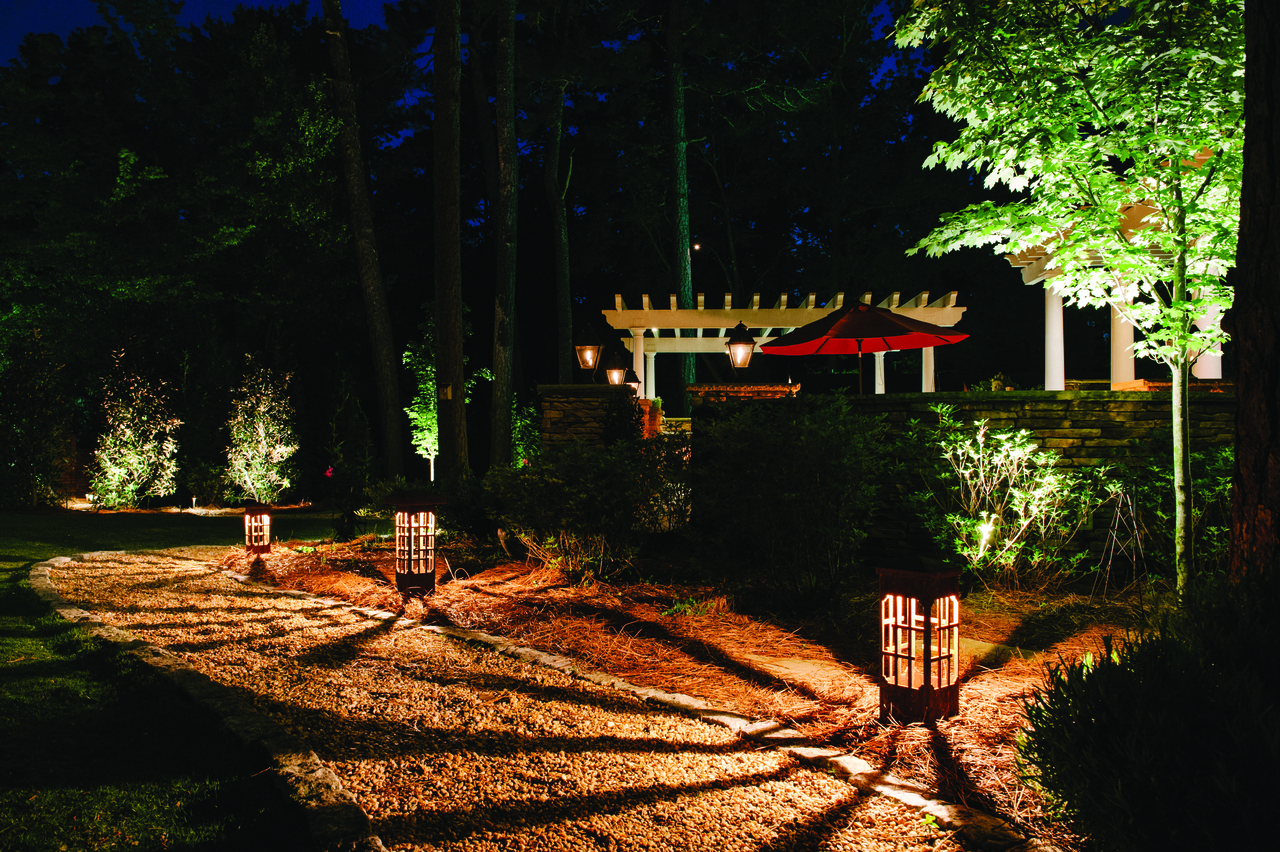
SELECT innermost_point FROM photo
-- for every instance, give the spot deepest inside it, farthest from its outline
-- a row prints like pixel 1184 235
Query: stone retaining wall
pixel 580 412
pixel 1084 427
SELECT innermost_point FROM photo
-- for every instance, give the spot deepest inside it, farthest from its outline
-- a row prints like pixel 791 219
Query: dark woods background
pixel 174 192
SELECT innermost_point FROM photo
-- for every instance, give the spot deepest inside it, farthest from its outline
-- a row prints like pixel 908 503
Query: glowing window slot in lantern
pixel 919 645
pixel 415 543
pixel 257 528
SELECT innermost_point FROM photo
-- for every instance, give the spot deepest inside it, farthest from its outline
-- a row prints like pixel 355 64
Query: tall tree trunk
pixel 385 362
pixel 451 412
pixel 504 300
pixel 682 265
pixel 556 190
pixel 1180 415
pixel 1254 318
pixel 484 119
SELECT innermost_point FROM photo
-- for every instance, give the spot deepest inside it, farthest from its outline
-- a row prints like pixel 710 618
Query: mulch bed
pixel 637 632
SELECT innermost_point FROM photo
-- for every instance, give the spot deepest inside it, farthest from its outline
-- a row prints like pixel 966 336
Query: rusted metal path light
pixel 919 645
pixel 257 527
pixel 415 541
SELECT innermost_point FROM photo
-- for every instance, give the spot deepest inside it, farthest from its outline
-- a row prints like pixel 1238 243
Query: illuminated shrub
pixel 136 455
pixel 262 438
pixel 1000 502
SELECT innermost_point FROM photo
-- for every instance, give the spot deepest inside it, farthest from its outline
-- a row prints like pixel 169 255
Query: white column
pixel 650 375
pixel 1121 347
pixel 879 372
pixel 1055 371
pixel 927 384
pixel 1209 364
pixel 637 358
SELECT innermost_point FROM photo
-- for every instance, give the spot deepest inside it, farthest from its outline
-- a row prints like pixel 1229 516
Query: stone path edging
pixel 338 823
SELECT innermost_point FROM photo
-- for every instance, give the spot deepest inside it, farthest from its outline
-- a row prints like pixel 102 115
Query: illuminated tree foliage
pixel 1096 112
pixel 136 455
pixel 262 438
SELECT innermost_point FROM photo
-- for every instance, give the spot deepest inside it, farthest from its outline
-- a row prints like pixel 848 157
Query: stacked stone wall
pixel 578 412
pixel 1083 427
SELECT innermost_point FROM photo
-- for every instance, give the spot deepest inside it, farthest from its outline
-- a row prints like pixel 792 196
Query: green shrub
pixel 34 424
pixel 136 454
pixel 1000 502
pixel 786 491
pixel 1148 513
pixel 262 438
pixel 1167 742
pixel 578 506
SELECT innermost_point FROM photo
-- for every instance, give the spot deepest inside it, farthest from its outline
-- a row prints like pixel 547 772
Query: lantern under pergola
pixel 257 527
pixel 919 644
pixel 741 346
pixel 415 542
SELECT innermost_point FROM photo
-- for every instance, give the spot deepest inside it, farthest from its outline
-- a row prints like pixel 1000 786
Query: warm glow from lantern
pixel 257 529
pixel 741 347
pixel 588 355
pixel 416 551
pixel 919 645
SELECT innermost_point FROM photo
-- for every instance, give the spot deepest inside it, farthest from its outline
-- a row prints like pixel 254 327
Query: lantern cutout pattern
pixel 415 546
pixel 919 645
pixel 257 528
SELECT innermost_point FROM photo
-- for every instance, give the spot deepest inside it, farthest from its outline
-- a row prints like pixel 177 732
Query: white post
pixel 637 358
pixel 1209 364
pixel 1121 347
pixel 927 383
pixel 1055 372
pixel 879 372
pixel 650 375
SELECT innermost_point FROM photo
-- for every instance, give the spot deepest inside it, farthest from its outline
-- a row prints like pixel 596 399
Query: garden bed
pixel 687 639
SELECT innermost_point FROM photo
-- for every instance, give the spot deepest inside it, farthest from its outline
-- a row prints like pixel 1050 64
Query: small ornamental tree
pixel 1121 124
pixel 262 438
pixel 137 453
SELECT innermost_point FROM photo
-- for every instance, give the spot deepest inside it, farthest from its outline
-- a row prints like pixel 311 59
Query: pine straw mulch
pixel 639 633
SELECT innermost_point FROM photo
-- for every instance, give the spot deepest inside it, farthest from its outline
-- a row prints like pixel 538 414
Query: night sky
pixel 19 17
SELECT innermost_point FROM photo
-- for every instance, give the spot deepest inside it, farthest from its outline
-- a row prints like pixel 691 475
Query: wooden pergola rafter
pixel 661 329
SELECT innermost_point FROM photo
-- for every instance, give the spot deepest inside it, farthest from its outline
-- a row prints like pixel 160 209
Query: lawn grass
pixel 96 751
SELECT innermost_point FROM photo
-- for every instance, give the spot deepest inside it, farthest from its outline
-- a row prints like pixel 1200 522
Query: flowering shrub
pixel 262 438
pixel 136 453
pixel 1001 503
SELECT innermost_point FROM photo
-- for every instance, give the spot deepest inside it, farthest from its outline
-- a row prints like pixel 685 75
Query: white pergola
pixel 1032 263
pixel 658 329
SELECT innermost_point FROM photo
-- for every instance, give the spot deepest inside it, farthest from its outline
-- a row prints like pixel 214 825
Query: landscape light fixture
pixel 415 542
pixel 257 527
pixel 615 369
pixel 741 347
pixel 588 347
pixel 632 381
pixel 919 645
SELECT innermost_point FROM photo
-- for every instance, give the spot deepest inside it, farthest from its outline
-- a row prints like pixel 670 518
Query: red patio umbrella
pixel 859 329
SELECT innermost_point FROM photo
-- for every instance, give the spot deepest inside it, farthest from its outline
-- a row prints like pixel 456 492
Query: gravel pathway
pixel 446 746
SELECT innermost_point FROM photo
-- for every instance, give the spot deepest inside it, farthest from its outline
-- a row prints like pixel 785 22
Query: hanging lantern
pixel 615 369
pixel 741 347
pixel 632 381
pixel 415 542
pixel 588 347
pixel 919 645
pixel 257 527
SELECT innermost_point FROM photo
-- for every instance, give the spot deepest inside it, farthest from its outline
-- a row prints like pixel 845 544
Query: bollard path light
pixel 415 541
pixel 257 527
pixel 919 645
